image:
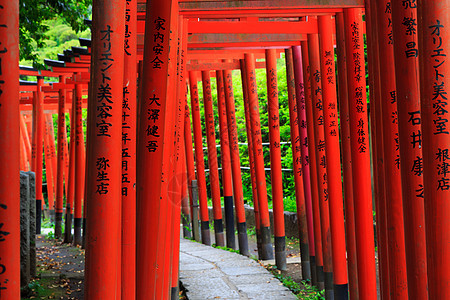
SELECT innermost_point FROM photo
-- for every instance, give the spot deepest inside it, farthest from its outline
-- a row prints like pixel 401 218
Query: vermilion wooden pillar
pixel 49 163
pixel 79 165
pixel 27 142
pixel 212 159
pixel 275 159
pixel 52 158
pixel 196 123
pixel 235 163
pixel 251 158
pixel 227 183
pixel 9 156
pixel 104 157
pixel 129 126
pixel 190 165
pixel 156 125
pixel 170 196
pixel 23 149
pixel 49 120
pixel 404 29
pixel 185 207
pixel 187 169
pixel 320 149
pixel 175 250
pixel 89 123
pixel 26 137
pixel 60 160
pixel 346 151
pixel 23 153
pixel 393 184
pixel 180 161
pixel 362 191
pixel 378 147
pixel 434 38
pixel 266 244
pixel 32 124
pixel 84 200
pixel 23 146
pixel 190 168
pixel 300 197
pixel 169 167
pixel 185 190
pixel 333 157
pixel 29 122
pixel 66 158
pixel 29 126
pixel 174 175
pixel 70 192
pixel 48 166
pixel 311 142
pixel 38 140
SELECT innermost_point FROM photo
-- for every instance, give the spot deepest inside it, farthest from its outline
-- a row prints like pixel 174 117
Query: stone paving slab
pixel 210 273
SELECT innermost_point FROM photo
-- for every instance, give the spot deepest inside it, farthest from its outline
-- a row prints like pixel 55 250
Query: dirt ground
pixel 292 250
pixel 60 271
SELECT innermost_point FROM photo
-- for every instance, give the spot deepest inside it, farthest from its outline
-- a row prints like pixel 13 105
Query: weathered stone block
pixel 24 229
pixel 32 178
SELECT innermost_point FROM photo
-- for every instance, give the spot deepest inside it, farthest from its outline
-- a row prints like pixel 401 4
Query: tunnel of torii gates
pixel 393 153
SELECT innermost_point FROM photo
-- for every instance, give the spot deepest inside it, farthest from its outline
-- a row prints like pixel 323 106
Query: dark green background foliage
pixel 34 17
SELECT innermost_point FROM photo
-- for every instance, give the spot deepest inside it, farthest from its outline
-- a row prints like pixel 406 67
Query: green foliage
pixel 50 235
pixel 251 230
pixel 36 287
pixel 34 26
pixel 43 288
pixel 290 204
pixel 47 224
pixel 302 290
pixel 185 227
pixel 225 248
pixel 58 37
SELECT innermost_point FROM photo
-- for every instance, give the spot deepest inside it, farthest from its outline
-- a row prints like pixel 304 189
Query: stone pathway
pixel 210 273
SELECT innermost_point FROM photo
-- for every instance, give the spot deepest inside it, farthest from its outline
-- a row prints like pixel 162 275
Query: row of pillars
pixel 314 127
pixel 408 134
pixel 64 167
pixel 407 78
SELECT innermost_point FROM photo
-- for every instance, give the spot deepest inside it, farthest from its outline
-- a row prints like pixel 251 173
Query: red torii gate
pixel 312 29
pixel 69 65
pixel 52 104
